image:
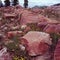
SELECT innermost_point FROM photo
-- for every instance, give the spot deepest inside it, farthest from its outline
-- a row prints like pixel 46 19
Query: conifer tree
pixel 7 3
pixel 25 3
pixel 1 4
pixel 14 2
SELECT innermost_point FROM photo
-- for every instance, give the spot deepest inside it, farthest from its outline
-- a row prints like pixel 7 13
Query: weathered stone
pixel 36 42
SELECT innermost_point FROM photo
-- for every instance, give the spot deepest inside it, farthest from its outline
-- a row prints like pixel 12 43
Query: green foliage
pixel 17 58
pixel 12 46
pixel 33 26
pixel 16 39
pixel 55 38
pixel 16 50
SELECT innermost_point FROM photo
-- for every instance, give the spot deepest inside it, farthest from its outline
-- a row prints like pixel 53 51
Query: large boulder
pixel 52 28
pixel 36 43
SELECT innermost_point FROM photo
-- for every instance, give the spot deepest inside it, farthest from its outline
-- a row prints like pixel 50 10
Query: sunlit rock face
pixel 36 43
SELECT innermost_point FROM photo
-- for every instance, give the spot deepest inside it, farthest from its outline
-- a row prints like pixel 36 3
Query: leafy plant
pixel 33 26
pixel 55 38
pixel 15 49
pixel 17 58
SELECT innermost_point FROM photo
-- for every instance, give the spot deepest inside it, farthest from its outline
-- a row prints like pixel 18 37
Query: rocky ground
pixel 29 34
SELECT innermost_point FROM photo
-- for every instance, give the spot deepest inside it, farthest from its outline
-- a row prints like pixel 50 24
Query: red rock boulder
pixel 52 28
pixel 14 33
pixel 36 43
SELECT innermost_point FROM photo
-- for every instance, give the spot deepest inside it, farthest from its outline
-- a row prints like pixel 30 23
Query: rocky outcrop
pixel 36 43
